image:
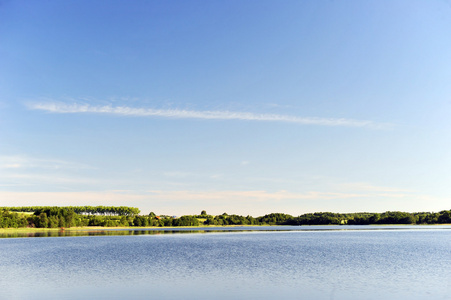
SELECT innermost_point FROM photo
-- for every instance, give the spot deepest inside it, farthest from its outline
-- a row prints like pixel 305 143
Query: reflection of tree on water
pixel 151 231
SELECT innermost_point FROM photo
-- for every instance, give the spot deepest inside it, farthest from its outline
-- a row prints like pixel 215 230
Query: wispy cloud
pixel 255 195
pixel 32 172
pixel 178 174
pixel 27 162
pixel 63 108
pixel 116 198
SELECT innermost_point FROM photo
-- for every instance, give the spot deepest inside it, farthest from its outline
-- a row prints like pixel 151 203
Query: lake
pixel 317 262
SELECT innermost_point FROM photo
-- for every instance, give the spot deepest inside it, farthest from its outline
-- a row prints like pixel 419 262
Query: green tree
pixel 186 221
pixel 43 221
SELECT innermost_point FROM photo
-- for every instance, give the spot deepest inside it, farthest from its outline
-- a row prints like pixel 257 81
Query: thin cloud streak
pixel 27 162
pixel 62 108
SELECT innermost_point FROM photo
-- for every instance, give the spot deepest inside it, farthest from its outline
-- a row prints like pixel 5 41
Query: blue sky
pixel 245 107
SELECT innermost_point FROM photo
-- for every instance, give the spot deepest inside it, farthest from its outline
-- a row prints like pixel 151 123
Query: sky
pixel 245 107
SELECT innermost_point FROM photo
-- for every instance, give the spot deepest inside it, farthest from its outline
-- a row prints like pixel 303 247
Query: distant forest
pixel 122 216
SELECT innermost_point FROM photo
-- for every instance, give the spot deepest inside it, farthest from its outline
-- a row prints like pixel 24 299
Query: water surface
pixel 319 263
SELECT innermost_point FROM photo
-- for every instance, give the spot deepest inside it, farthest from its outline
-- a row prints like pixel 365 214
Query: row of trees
pixel 12 220
pixel 54 217
pixel 83 210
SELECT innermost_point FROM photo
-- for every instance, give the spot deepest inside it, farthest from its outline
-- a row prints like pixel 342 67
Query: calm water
pixel 310 264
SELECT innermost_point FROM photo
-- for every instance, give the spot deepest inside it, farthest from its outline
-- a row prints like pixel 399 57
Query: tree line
pixel 80 216
pixel 84 210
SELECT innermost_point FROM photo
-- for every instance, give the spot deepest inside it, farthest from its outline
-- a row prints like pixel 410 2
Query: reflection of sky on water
pixel 319 264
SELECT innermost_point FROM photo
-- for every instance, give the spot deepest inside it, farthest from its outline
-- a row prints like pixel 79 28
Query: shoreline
pixel 100 228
